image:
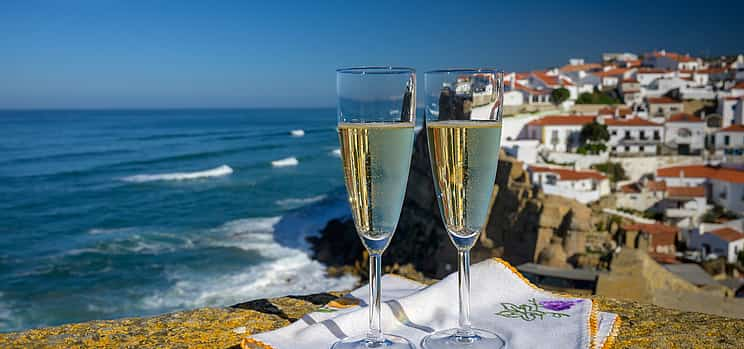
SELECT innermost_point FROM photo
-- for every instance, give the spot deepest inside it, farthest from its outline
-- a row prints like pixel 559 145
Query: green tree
pixel 596 97
pixel 559 95
pixel 585 98
pixel 594 133
pixel 613 170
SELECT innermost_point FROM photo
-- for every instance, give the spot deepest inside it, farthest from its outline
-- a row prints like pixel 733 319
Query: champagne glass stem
pixel 463 277
pixel 375 273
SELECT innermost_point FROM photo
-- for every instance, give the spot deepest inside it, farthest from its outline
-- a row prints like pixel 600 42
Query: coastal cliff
pixel 521 225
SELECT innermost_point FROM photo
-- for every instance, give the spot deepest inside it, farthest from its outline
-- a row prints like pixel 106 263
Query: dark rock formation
pixel 521 224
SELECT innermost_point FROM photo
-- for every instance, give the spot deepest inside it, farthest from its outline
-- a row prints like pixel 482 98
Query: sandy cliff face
pixel 521 224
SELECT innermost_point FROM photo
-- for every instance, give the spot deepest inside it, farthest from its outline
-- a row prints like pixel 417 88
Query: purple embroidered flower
pixel 559 305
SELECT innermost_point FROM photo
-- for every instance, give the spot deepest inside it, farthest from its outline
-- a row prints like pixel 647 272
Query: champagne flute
pixel 376 117
pixel 463 123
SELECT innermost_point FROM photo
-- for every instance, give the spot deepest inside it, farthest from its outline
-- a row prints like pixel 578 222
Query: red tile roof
pixel 702 171
pixel 733 128
pixel 684 117
pixel 661 234
pixel 662 100
pixel 518 86
pixel 686 192
pixel 728 234
pixel 652 71
pixel 611 111
pixel 567 174
pixel 656 185
pixel 633 63
pixel 675 56
pixel 554 120
pixel 630 188
pixel 630 81
pixel 579 67
pixel 630 122
pixel 739 85
pixel 550 80
pixel 663 258
pixel 522 76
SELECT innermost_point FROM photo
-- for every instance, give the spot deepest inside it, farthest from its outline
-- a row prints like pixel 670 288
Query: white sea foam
pixel 299 202
pixel 297 133
pixel 336 152
pixel 286 271
pixel 290 161
pixel 220 171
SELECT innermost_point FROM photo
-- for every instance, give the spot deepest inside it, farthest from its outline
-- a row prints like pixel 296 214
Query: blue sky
pixel 160 54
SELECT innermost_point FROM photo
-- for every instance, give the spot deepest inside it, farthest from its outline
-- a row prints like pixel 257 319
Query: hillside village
pixel 653 141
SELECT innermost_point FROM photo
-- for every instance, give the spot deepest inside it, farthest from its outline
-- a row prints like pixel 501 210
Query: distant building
pixel 630 89
pixel 610 78
pixel 557 132
pixel 615 57
pixel 663 106
pixel 731 110
pixel 655 238
pixel 685 133
pixel 725 242
pixel 583 186
pixel 725 186
pixel 729 141
pixel 634 136
pixel 683 202
pixel 646 76
pixel 673 61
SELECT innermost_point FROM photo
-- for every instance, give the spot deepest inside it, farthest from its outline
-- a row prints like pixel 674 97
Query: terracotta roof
pixel 630 122
pixel 702 171
pixel 733 98
pixel 656 185
pixel 550 80
pixel 684 117
pixel 652 71
pixel 633 63
pixel 675 56
pixel 630 81
pixel 662 100
pixel 739 85
pixel 661 234
pixel 611 111
pixel 522 76
pixel 728 234
pixel 733 128
pixel 686 192
pixel 663 258
pixel 562 120
pixel 630 188
pixel 611 72
pixel 518 86
pixel 579 67
pixel 567 174
pixel 566 82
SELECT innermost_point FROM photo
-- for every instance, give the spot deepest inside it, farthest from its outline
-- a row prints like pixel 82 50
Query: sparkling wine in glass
pixel 376 117
pixel 463 125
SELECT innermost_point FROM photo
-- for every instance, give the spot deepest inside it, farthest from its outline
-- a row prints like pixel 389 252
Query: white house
pixel 646 76
pixel 633 136
pixel 685 133
pixel 662 86
pixel 611 77
pixel 738 89
pixel 557 132
pixel 674 61
pixel 630 89
pixel 663 106
pixel 683 202
pixel 625 56
pixel 723 241
pixel 731 110
pixel 583 186
pixel 725 186
pixel 729 140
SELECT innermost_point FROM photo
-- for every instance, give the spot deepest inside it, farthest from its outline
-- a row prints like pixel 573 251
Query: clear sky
pixel 130 54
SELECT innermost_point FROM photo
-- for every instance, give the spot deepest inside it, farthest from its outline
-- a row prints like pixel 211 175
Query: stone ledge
pixel 644 326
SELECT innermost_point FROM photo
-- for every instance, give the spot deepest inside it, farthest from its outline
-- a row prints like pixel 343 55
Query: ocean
pixel 109 214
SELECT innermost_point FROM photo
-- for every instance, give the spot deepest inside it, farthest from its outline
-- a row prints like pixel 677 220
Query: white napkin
pixel 502 301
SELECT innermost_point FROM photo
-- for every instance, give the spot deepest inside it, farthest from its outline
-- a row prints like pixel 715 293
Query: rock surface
pixel 643 326
pixel 521 224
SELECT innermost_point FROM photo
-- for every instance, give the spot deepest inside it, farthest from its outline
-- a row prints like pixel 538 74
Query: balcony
pixel 680 212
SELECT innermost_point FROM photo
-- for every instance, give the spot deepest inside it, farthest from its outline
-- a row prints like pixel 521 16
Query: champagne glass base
pixel 362 342
pixel 452 338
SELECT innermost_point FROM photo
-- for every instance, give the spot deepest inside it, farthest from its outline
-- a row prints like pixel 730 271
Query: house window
pixel 643 134
pixel 684 132
pixel 656 135
pixel 726 140
pixel 722 195
pixel 554 137
pixel 627 148
pixel 627 134
pixel 614 149
pixel 640 148
pixel 614 132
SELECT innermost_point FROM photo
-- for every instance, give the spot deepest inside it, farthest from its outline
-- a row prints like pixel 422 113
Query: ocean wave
pixel 299 202
pixel 290 161
pixel 220 171
pixel 286 271
pixel 297 133
pixel 66 156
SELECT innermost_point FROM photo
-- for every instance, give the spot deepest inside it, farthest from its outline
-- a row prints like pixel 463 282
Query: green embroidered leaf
pixel 527 312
